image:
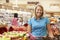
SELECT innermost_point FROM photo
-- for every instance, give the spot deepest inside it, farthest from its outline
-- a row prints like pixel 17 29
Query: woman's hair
pixel 21 18
pixel 41 8
pixel 16 15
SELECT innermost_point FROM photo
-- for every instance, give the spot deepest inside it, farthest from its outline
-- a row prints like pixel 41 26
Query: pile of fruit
pixel 2 37
pixel 53 20
pixel 3 24
pixel 14 35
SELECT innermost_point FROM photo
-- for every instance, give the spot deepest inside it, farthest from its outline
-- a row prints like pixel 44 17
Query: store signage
pixel 33 3
pixel 7 1
pixel 54 4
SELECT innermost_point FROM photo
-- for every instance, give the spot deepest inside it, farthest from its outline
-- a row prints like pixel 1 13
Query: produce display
pixel 53 20
pixel 4 38
pixel 3 24
pixel 14 35
pixel 3 27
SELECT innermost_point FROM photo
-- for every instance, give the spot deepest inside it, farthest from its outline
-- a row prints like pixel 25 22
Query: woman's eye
pixel 38 9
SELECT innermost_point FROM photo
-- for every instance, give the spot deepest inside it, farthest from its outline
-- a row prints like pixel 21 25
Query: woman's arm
pixel 29 29
pixel 50 33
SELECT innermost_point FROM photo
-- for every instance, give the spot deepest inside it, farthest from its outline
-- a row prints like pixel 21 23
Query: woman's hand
pixel 51 36
pixel 28 29
pixel 50 31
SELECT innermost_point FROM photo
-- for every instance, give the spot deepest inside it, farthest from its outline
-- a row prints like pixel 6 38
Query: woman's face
pixel 39 11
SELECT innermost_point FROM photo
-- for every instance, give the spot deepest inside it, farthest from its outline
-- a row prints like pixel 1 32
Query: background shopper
pixel 15 20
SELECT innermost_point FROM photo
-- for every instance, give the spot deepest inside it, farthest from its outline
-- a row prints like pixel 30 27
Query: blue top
pixel 39 26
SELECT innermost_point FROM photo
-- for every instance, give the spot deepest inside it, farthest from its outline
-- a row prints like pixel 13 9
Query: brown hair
pixel 41 8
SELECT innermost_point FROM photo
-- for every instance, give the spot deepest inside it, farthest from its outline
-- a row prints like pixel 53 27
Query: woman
pixel 39 25
pixel 15 20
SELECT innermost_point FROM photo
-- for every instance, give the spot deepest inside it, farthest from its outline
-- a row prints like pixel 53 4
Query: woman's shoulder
pixel 31 19
pixel 46 18
pixel 14 19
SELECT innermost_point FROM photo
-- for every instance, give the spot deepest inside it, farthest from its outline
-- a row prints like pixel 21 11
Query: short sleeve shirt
pixel 39 26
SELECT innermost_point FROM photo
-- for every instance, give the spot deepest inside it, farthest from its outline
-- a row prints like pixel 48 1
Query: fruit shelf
pixel 14 35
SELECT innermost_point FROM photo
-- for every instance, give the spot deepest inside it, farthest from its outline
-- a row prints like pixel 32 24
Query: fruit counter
pixel 14 35
pixel 5 28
